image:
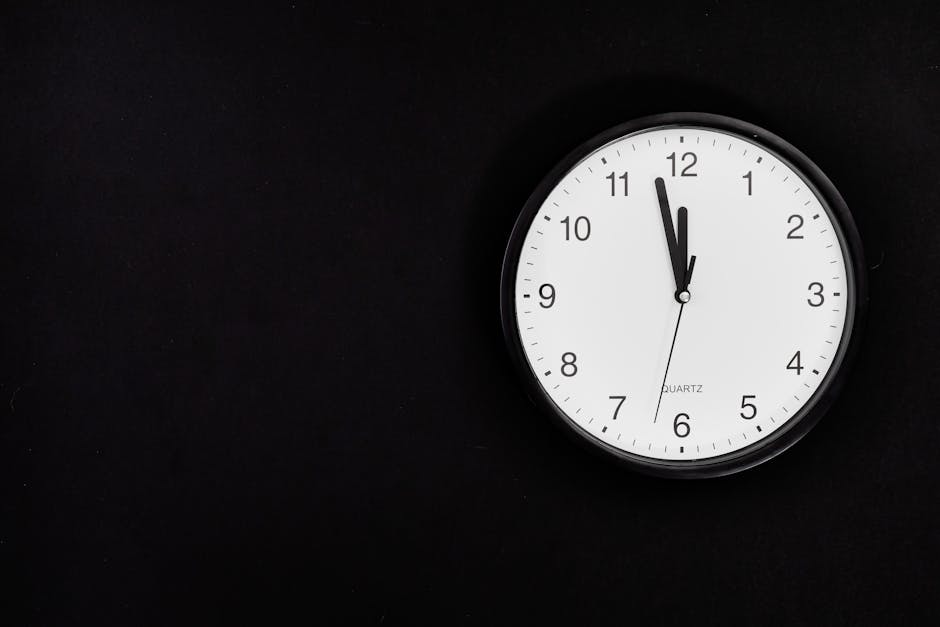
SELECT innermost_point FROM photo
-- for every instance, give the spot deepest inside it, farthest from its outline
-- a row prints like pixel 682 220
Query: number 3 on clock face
pixel 682 294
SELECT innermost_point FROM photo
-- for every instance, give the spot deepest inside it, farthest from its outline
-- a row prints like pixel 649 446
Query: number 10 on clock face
pixel 682 295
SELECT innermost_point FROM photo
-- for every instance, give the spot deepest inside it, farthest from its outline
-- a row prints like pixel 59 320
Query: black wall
pixel 251 353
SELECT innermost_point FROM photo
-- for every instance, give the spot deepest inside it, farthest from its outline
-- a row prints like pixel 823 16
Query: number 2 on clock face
pixel 682 295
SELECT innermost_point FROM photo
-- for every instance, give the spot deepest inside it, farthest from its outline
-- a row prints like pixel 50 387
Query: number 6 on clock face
pixel 682 294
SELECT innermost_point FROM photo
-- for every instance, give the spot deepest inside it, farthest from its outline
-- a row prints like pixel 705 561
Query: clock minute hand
pixel 678 264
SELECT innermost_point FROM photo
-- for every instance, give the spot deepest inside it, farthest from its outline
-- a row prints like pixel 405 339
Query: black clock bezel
pixel 829 389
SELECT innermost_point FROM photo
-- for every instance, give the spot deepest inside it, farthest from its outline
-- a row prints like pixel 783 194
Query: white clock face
pixel 600 308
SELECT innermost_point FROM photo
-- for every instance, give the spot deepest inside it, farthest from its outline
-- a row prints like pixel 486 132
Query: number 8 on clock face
pixel 683 293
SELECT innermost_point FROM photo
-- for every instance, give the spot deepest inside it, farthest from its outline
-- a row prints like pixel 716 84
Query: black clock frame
pixel 811 412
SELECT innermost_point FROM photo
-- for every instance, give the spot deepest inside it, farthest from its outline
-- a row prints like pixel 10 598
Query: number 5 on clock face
pixel 681 294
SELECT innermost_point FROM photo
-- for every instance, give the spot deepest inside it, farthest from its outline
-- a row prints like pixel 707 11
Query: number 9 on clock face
pixel 682 294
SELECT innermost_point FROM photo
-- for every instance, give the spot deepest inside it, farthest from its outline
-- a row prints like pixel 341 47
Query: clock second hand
pixel 684 298
pixel 668 361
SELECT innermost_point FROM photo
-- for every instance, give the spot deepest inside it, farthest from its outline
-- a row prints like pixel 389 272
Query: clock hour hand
pixel 682 294
pixel 678 262
pixel 683 246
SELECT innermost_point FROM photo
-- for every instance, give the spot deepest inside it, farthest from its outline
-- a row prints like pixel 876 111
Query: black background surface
pixel 251 353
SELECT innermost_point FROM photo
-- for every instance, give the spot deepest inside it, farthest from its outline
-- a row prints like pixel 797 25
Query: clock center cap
pixel 684 296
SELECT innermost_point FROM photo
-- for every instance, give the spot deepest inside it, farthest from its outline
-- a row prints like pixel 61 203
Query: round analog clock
pixel 683 293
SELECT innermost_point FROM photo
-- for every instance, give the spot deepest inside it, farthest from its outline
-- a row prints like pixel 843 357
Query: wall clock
pixel 683 294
